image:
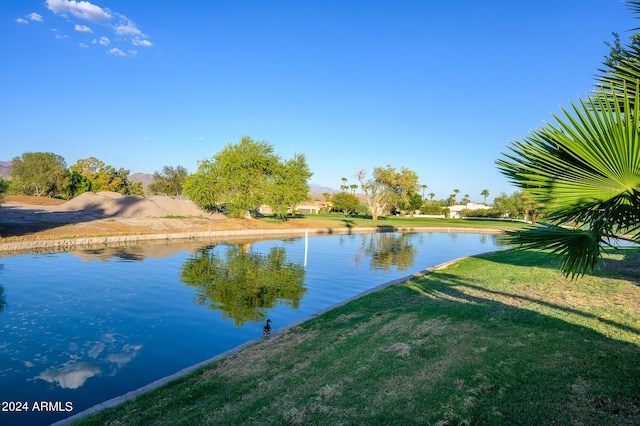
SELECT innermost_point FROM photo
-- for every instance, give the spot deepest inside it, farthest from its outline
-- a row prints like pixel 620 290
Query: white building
pixel 455 212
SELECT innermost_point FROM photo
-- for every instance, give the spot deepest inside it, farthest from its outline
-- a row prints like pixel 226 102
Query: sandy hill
pixel 113 204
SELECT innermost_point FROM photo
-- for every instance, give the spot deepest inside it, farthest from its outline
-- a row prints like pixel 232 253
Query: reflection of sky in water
pixel 84 331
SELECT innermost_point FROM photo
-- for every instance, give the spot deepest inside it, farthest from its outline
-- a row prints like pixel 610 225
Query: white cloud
pixel 83 29
pixel 141 42
pixel 116 52
pixel 120 29
pixel 30 17
pixel 61 36
pixel 126 27
pixel 79 9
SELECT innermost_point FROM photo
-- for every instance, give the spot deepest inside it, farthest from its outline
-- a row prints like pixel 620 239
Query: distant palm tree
pixel 466 199
pixel 431 195
pixel 485 194
pixel 455 195
pixel 353 187
pixel 423 188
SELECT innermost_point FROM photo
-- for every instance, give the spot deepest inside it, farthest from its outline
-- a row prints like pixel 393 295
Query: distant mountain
pixel 4 169
pixel 318 188
pixel 145 178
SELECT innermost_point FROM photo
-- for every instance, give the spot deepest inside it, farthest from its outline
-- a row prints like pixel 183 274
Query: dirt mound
pixel 112 204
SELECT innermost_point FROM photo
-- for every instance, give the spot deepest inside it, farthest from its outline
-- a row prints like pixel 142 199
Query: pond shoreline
pixel 67 244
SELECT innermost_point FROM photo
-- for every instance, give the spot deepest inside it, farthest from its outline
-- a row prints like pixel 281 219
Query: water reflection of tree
pixel 3 302
pixel 387 250
pixel 244 284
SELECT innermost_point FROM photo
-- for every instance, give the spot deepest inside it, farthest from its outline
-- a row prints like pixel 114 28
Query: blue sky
pixel 439 87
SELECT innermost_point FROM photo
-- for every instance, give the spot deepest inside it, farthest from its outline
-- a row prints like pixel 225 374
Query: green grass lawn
pixel 499 339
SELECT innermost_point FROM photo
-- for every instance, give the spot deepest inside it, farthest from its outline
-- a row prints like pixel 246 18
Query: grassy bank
pixel 501 338
pixel 336 220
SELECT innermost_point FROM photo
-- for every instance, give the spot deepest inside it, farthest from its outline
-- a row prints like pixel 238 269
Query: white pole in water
pixel 306 246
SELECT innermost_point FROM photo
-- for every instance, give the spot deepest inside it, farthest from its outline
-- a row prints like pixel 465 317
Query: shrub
pixel 493 213
pixel 431 209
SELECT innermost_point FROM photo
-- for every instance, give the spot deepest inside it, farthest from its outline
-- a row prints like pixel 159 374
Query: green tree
pixel 413 203
pixel 168 181
pixel 388 189
pixel 96 176
pixel 288 185
pixel 345 202
pixel 431 195
pixel 375 194
pixel 42 174
pixel 511 205
pixel 77 184
pixel 4 186
pixel 243 176
pixel 584 171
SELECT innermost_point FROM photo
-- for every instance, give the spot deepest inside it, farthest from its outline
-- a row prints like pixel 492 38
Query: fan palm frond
pixel 585 170
pixel 579 249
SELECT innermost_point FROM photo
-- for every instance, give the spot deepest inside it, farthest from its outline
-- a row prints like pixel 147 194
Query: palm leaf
pixel 579 249
pixel 585 171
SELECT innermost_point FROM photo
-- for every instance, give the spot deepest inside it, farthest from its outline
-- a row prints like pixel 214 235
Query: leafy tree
pixel 244 285
pixel 465 199
pixel 288 185
pixel 512 205
pixel 375 194
pixel 169 181
pixel 388 188
pixel 584 170
pixel 431 195
pixel 412 204
pixel 38 173
pixel 77 184
pixel 242 177
pixel 485 194
pixel 344 202
pixel 92 174
pixel 4 186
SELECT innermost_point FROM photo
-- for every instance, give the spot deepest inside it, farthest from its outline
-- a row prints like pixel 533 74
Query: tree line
pixel 45 174
pixel 236 181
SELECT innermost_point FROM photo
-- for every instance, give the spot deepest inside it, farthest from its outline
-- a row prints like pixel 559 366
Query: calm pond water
pixel 82 327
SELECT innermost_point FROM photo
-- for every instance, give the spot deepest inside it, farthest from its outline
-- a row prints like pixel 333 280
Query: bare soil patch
pixel 24 218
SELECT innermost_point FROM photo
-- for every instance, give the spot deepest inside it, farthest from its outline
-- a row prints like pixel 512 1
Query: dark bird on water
pixel 266 330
